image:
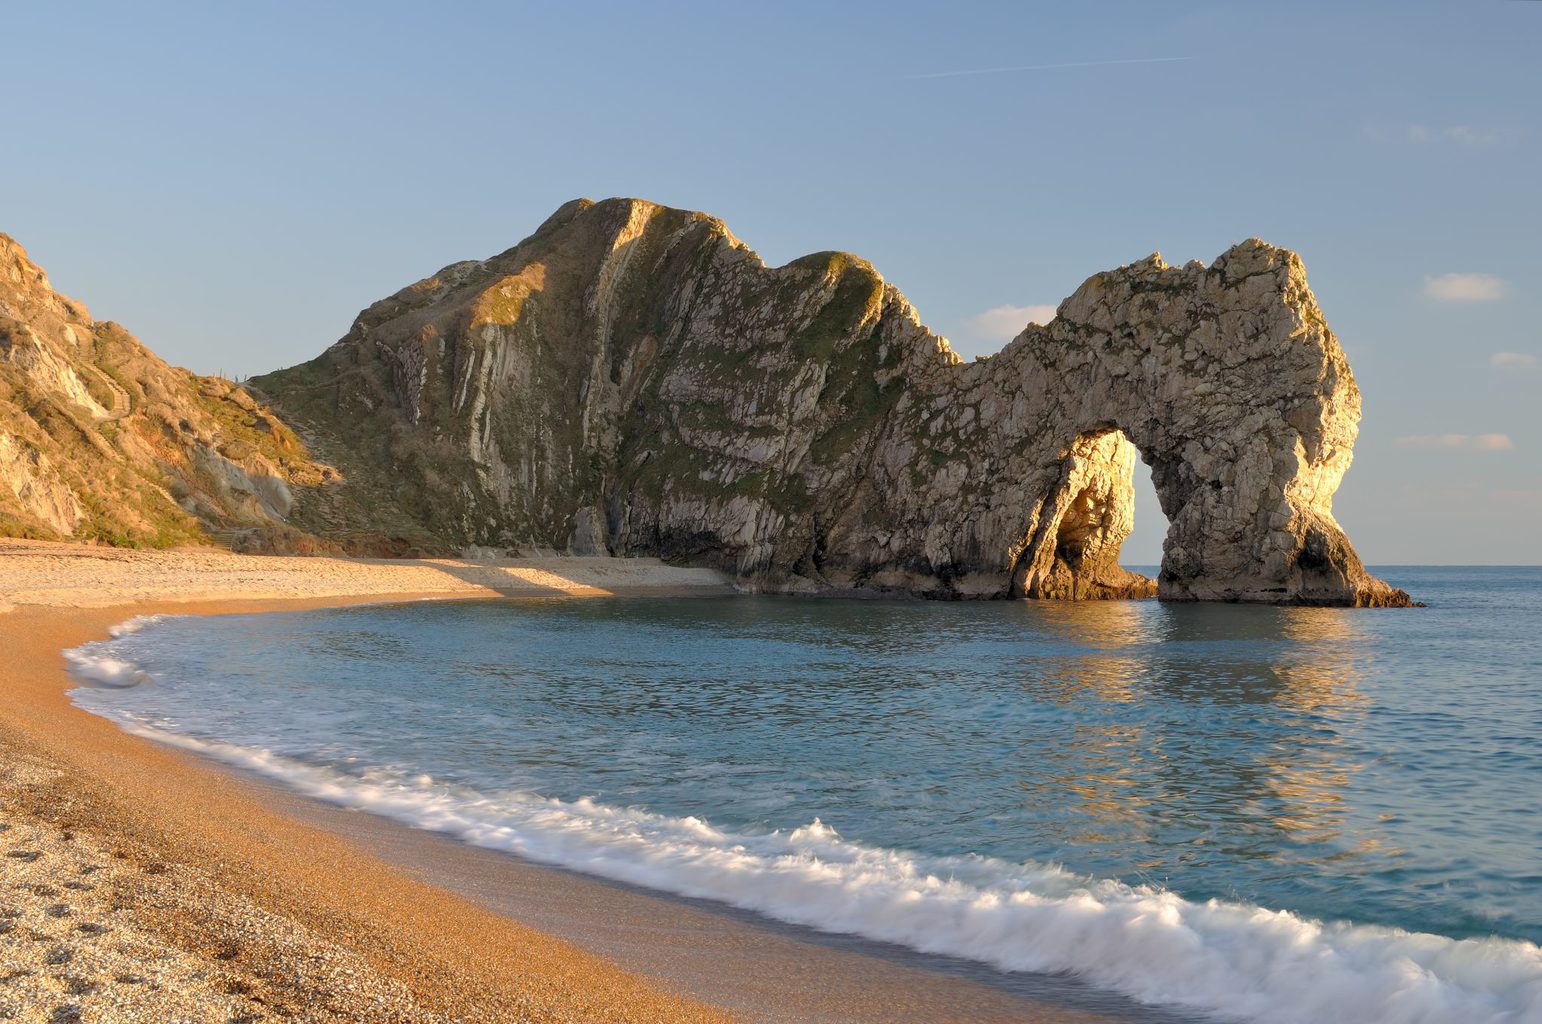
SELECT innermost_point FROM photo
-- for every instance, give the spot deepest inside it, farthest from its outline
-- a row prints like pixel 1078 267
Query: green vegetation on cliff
pixel 102 441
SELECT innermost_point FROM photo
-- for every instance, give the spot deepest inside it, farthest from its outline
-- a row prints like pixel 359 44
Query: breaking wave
pixel 94 667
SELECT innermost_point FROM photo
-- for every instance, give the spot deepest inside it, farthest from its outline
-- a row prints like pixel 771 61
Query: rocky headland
pixel 100 440
pixel 634 380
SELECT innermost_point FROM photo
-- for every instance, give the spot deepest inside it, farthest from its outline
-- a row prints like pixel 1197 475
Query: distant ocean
pixel 1281 815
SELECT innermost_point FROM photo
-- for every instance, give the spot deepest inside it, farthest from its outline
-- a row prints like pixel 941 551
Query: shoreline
pixel 755 967
pixel 266 904
pixel 262 911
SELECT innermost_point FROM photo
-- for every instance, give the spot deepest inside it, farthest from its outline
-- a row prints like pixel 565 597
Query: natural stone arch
pixel 634 379
pixel 1230 385
pixel 1073 553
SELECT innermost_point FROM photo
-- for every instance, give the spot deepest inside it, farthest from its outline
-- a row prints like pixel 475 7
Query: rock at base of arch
pixel 1074 553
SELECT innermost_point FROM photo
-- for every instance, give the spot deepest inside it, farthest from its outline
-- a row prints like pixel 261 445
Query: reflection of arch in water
pixel 1111 670
pixel 1331 665
pixel 1102 788
pixel 1303 659
pixel 1277 777
pixel 1290 781
pixel 1323 681
pixel 1103 624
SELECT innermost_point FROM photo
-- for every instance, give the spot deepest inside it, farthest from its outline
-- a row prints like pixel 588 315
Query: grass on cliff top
pixel 254 425
pixel 857 299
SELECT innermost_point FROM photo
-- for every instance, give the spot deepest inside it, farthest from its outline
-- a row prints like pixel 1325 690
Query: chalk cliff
pixel 633 379
pixel 101 440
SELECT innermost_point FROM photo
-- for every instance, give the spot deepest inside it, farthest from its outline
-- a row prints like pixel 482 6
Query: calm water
pixel 1367 767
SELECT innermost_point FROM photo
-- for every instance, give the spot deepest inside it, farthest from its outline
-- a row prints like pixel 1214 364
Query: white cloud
pixel 1464 288
pixel 1513 360
pixel 1418 134
pixel 1493 443
pixel 1463 134
pixel 1005 322
pixel 1462 442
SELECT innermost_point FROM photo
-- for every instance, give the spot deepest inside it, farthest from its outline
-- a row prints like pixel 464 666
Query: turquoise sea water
pixel 1207 806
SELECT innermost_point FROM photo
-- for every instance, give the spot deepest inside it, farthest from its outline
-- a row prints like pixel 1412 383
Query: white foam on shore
pixel 132 626
pixel 1230 959
pixel 92 665
pixel 100 670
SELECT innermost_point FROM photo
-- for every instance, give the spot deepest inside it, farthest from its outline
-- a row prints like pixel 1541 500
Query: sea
pixel 1280 815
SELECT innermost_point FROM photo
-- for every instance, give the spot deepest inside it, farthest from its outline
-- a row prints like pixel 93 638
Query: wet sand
pixel 139 883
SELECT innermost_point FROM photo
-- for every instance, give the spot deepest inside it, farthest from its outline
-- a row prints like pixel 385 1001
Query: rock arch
pixel 1227 382
pixel 1073 553
pixel 648 385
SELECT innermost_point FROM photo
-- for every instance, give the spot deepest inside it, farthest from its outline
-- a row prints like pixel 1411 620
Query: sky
pixel 234 182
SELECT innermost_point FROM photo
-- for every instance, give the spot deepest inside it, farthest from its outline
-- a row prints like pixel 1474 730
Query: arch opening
pixel 1072 551
pixel 1142 549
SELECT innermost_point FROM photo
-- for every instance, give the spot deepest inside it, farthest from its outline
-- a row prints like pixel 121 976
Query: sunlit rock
pixel 100 440
pixel 634 379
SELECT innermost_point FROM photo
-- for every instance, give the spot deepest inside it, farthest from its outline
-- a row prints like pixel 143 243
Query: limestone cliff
pixel 634 379
pixel 101 440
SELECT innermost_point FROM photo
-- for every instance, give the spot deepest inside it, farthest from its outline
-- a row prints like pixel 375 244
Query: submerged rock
pixel 633 379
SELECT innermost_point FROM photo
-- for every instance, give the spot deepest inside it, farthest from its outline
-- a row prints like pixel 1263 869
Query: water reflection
pixel 1201 733
pixel 1107 661
pixel 1095 623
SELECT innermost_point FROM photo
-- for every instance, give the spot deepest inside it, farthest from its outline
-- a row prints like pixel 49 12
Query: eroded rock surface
pixel 101 440
pixel 633 379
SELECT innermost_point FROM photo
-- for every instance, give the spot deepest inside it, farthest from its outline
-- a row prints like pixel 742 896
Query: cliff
pixel 633 379
pixel 101 440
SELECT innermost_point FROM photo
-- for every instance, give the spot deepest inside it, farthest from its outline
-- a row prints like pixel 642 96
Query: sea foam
pixel 94 666
pixel 100 670
pixel 1230 959
pixel 134 625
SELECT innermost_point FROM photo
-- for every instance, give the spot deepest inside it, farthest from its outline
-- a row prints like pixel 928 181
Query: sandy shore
pixel 79 576
pixel 140 884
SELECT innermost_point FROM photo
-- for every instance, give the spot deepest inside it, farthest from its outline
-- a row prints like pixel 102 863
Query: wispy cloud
pixel 1461 134
pixel 1045 67
pixel 1464 288
pixel 1513 360
pixel 1417 134
pixel 1460 442
pixel 1002 323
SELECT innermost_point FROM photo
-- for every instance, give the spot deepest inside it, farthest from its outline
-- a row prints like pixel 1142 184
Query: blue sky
pixel 234 185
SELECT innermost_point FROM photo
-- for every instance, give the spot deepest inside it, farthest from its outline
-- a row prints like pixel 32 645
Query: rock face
pixel 633 379
pixel 100 440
